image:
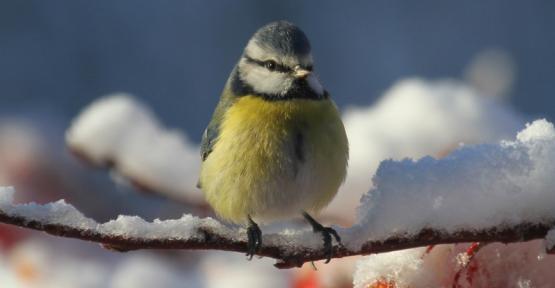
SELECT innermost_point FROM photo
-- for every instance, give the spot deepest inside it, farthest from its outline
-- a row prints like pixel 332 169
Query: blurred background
pixel 412 78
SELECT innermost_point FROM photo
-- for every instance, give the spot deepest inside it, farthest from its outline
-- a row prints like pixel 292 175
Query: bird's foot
pixel 254 238
pixel 327 233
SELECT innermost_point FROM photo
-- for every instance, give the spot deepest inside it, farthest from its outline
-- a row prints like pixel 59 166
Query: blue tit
pixel 275 146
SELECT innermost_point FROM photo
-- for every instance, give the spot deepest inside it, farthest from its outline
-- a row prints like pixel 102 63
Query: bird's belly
pixel 257 167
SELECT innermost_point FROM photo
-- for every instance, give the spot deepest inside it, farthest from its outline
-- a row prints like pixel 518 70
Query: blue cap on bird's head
pixel 277 64
pixel 284 37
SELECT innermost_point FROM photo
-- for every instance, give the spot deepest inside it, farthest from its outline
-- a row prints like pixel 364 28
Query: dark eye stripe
pixel 277 66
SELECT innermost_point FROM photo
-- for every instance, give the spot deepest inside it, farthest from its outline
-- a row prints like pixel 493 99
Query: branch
pixel 290 250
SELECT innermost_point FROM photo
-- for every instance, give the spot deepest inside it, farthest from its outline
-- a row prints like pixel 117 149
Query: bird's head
pixel 277 63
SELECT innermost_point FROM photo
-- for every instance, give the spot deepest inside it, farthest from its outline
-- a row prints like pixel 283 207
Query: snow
pixel 61 213
pixel 51 213
pixel 414 118
pixel 475 187
pixel 403 267
pixel 117 128
pixel 182 228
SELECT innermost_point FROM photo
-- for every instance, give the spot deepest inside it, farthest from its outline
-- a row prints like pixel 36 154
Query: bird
pixel 275 147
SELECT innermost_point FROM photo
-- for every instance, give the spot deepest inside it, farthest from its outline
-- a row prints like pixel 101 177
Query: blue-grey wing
pixel 207 143
pixel 208 139
pixel 210 136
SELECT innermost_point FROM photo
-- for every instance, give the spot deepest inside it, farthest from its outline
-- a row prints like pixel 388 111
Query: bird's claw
pixel 327 233
pixel 254 241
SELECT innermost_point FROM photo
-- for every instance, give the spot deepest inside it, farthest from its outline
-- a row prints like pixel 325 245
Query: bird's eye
pixel 309 67
pixel 270 65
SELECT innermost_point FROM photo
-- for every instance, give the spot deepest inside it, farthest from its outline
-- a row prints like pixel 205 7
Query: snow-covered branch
pixel 291 249
pixel 121 133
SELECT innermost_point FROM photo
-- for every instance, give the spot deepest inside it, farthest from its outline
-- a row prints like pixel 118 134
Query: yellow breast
pixel 255 167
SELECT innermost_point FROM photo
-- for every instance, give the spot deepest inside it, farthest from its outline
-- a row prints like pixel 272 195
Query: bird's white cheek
pixel 315 84
pixel 264 81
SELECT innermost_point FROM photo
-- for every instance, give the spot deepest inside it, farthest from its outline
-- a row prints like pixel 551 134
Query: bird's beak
pixel 300 73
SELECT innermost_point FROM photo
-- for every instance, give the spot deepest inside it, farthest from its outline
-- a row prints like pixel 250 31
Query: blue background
pixel 58 56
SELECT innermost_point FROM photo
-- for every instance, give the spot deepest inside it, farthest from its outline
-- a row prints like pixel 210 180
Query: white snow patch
pixel 415 118
pixel 51 213
pixel 61 213
pixel 119 128
pixel 398 266
pixel 480 186
pixel 183 228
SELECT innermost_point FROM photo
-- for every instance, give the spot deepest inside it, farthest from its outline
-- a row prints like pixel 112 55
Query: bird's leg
pixel 326 232
pixel 254 238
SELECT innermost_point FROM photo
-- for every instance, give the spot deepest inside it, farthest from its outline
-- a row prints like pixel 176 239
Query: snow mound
pixel 119 130
pixel 414 118
pixel 475 187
